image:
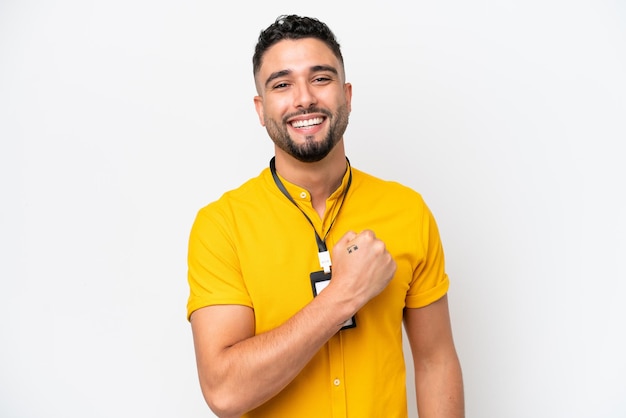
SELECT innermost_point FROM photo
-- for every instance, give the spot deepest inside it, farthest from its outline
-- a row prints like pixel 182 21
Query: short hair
pixel 294 27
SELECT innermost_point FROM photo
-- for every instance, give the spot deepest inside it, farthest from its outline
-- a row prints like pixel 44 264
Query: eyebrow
pixel 313 69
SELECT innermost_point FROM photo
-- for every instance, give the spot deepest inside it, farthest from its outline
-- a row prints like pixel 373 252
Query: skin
pixel 238 370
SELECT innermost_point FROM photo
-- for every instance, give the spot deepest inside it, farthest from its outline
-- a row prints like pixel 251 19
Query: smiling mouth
pixel 307 123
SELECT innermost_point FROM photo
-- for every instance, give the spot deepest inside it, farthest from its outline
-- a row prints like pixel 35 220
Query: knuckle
pixel 379 246
pixel 368 233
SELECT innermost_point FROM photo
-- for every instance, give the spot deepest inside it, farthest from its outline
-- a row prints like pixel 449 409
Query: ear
pixel 258 105
pixel 347 91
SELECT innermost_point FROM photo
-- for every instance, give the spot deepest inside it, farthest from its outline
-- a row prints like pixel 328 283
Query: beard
pixel 310 151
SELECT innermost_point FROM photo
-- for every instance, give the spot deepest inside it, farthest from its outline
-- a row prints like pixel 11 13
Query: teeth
pixel 306 123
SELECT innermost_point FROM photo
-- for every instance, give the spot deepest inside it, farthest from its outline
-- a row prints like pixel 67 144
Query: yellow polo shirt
pixel 253 247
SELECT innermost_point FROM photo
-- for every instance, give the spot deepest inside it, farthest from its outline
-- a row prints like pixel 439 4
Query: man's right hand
pixel 362 268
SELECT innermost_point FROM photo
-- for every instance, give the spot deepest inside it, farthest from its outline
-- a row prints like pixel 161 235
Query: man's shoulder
pixel 249 191
pixel 378 187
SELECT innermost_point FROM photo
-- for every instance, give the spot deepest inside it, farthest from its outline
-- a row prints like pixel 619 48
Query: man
pixel 275 336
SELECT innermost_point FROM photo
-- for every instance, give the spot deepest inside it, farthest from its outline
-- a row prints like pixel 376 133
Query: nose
pixel 304 96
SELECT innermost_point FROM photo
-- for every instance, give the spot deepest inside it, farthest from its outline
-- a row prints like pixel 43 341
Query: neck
pixel 320 178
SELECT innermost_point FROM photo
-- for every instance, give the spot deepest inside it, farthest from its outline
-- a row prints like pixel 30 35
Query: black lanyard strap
pixel 321 243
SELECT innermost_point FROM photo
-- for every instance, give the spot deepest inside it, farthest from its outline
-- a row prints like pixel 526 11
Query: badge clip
pixel 325 262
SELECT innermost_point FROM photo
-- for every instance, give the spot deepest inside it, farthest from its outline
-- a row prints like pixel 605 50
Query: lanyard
pixel 323 254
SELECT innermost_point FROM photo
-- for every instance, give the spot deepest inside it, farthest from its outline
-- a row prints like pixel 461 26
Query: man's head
pixel 303 100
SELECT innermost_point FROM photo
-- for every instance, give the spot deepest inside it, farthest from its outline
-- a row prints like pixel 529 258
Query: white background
pixel 120 119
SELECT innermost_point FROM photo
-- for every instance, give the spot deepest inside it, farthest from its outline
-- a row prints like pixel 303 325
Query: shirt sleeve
pixel 214 274
pixel 430 281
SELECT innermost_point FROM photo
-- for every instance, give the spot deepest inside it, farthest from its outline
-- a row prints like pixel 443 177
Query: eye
pixel 321 80
pixel 280 86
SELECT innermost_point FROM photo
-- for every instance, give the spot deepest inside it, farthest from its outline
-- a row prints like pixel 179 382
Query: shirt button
pixel 336 382
pixel 303 195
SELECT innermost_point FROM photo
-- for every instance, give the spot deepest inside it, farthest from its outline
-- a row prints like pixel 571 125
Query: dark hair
pixel 293 27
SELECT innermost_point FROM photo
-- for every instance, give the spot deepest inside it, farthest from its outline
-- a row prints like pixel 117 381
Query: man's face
pixel 303 101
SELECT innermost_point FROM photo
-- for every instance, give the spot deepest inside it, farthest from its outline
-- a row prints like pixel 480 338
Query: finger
pixel 347 237
pixel 367 235
pixel 352 248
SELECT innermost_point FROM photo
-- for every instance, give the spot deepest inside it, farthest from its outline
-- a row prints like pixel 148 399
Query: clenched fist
pixel 362 268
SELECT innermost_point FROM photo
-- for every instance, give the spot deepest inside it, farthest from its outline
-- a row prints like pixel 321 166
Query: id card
pixel 319 281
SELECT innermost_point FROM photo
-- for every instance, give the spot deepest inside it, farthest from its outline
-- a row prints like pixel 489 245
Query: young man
pixel 273 335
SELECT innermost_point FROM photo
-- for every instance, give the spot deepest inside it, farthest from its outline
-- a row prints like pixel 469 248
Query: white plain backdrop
pixel 120 119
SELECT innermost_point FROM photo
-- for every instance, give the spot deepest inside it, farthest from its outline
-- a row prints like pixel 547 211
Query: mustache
pixel 302 112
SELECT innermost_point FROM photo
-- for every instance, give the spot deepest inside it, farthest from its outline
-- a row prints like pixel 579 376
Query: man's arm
pixel 438 378
pixel 239 370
